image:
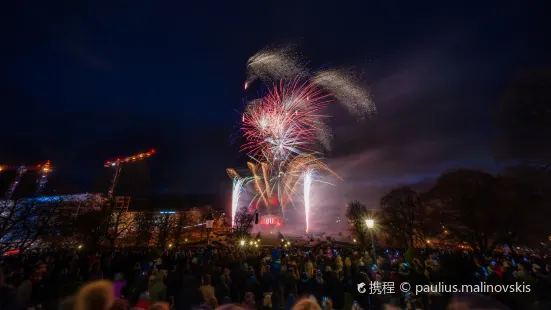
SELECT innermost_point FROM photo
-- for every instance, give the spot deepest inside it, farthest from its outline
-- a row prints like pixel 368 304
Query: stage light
pixel 242 242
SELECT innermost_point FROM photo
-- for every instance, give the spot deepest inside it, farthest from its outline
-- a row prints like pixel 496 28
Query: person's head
pixel 67 303
pixel 119 276
pixel 226 300
pixel 154 272
pixel 161 306
pixel 306 304
pixel 212 302
pixel 267 301
pixel 97 295
pixel 120 304
pixel 249 297
pixel 328 305
pixel 206 280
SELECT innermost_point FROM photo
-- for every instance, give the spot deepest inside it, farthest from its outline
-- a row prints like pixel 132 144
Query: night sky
pixel 88 81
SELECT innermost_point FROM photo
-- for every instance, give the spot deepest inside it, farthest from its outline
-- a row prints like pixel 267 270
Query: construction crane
pixel 117 166
pixel 42 170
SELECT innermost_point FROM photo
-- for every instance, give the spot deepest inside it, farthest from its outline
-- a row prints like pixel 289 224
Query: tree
pixel 406 217
pixel 103 224
pixel 243 223
pixel 165 226
pixel 144 228
pixel 23 222
pixel 524 193
pixel 524 119
pixel 183 219
pixel 467 201
pixel 357 213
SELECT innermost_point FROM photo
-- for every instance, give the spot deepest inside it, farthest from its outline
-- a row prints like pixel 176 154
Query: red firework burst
pixel 286 122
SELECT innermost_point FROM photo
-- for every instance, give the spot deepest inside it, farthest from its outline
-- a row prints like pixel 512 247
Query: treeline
pixel 92 223
pixel 464 208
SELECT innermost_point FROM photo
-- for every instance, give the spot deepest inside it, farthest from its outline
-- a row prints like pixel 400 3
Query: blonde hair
pixel 306 304
pixel 309 268
pixel 347 262
pixel 212 302
pixel 97 295
pixel 207 291
pixel 267 301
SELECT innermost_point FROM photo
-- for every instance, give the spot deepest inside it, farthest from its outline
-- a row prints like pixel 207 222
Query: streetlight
pixel 210 222
pixel 370 224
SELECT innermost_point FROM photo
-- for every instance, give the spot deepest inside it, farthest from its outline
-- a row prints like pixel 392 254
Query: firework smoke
pixel 347 91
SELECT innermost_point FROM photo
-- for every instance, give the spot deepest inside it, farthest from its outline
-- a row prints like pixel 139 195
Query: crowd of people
pixel 265 278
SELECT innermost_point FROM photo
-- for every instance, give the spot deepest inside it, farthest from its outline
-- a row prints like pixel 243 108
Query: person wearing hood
pixel 226 301
pixel 119 285
pixel 253 285
pixel 290 302
pixel 267 280
pixel 249 302
pixel 319 286
pixel 222 290
pixel 305 285
pixel 291 281
pixel 157 289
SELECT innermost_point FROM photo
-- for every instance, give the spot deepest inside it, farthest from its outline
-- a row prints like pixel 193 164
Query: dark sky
pixel 87 81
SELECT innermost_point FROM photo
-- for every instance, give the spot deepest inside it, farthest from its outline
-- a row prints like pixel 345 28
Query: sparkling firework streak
pixel 236 193
pixel 307 184
pixel 232 173
pixel 257 183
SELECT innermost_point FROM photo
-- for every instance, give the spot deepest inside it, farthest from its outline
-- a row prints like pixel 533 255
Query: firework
pixel 307 185
pixel 346 90
pixel 285 128
pixel 232 173
pixel 236 193
pixel 288 121
pixel 257 182
pixel 275 64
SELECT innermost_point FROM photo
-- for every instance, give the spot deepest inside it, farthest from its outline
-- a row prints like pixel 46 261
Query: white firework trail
pixel 308 178
pixel 275 64
pixel 236 193
pixel 347 91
